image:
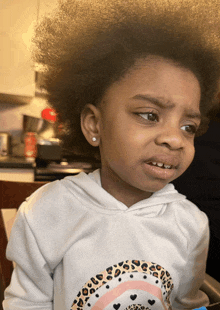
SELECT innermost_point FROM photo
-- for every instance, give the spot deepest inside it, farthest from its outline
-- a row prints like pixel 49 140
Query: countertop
pixel 16 162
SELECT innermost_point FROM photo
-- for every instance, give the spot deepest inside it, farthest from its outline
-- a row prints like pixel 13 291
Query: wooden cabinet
pixel 17 20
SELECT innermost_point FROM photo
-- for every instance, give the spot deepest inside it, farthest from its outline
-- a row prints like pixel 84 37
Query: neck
pixel 123 192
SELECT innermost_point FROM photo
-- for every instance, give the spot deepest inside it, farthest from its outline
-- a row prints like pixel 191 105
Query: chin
pixel 156 187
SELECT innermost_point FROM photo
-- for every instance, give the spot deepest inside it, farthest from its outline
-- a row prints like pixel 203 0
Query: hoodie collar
pixel 88 189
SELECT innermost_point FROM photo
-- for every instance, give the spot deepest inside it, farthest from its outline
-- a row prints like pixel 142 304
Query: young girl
pixel 135 91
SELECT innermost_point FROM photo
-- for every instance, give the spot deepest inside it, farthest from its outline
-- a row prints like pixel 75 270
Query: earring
pixel 94 139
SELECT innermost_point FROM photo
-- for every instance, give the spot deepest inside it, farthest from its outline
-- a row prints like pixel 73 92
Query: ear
pixel 90 124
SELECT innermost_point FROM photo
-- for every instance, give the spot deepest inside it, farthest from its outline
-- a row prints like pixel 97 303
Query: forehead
pixel 156 76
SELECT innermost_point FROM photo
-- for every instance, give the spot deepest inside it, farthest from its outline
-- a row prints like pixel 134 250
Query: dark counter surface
pixel 16 162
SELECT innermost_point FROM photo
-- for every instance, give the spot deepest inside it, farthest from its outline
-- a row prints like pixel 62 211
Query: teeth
pixel 167 166
pixel 161 165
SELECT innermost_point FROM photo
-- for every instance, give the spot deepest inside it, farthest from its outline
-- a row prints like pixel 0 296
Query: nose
pixel 171 138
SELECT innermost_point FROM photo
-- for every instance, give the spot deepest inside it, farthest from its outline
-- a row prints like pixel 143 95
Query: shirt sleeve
pixel 190 296
pixel 31 284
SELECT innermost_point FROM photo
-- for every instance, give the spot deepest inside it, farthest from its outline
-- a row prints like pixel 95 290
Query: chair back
pixel 12 194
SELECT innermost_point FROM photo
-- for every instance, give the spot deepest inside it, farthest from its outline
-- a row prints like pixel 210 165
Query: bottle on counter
pixel 30 145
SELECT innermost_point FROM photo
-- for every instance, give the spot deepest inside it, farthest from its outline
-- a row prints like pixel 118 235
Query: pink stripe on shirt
pixel 110 296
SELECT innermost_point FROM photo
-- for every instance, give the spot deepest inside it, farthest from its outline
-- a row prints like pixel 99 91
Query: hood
pixel 88 188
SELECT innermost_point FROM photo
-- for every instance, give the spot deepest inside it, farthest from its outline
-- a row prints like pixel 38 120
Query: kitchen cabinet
pixel 17 169
pixel 17 70
pixel 17 21
pixel 17 175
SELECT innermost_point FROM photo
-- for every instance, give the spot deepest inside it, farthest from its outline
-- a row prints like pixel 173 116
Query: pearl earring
pixel 94 139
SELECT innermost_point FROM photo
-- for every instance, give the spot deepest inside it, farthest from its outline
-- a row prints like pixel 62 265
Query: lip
pixel 173 161
pixel 159 173
pixel 162 173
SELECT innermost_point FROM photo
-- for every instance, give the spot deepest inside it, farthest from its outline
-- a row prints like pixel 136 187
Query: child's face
pixel 148 119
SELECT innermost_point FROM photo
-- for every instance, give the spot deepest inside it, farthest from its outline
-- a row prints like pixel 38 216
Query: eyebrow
pixel 163 104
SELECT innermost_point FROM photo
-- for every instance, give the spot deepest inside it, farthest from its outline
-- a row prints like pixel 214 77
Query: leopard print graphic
pixel 129 266
pixel 137 307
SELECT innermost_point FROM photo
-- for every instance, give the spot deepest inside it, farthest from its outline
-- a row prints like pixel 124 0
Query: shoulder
pixel 43 198
pixel 50 216
pixel 191 212
pixel 52 203
pixel 185 208
pixel 191 220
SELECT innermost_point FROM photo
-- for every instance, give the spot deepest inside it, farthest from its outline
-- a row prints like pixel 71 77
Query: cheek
pixel 190 153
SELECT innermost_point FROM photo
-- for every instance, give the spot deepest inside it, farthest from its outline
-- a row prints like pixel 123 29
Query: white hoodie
pixel 77 247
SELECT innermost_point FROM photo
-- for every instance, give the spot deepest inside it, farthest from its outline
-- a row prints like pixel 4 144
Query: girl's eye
pixel 150 116
pixel 190 129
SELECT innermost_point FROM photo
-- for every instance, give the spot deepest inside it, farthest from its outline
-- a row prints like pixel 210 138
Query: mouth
pixel 164 161
pixel 160 165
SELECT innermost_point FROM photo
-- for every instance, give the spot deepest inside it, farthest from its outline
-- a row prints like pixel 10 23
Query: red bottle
pixel 30 148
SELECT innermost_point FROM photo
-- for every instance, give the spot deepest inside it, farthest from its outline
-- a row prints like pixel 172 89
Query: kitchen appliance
pixel 5 143
pixel 43 128
pixel 48 146
pixel 49 149
pixel 52 162
pixel 56 170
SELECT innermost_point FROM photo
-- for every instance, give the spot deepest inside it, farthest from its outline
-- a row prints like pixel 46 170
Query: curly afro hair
pixel 86 45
